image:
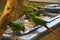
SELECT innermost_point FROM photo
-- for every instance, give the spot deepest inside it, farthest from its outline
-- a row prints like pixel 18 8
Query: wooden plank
pixel 9 13
pixel 46 1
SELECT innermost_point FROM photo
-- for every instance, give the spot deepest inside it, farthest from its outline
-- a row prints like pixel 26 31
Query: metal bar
pixel 53 18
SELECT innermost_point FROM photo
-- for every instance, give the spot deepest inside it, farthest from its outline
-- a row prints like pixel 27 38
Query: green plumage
pixel 17 26
pixel 38 21
pixel 38 7
pixel 32 9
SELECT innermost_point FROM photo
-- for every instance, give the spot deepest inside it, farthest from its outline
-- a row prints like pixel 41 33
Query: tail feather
pixel 50 30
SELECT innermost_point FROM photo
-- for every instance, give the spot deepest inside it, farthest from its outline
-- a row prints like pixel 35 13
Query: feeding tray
pixel 53 8
pixel 35 33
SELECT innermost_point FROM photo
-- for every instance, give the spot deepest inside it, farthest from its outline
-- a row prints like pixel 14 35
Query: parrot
pixel 17 26
pixel 32 9
pixel 38 21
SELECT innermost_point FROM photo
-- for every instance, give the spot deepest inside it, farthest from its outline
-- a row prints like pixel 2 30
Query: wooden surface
pixel 53 37
pixel 7 15
pixel 50 1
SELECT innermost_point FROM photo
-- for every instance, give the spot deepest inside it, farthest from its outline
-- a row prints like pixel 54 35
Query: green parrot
pixel 38 21
pixel 32 9
pixel 17 26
